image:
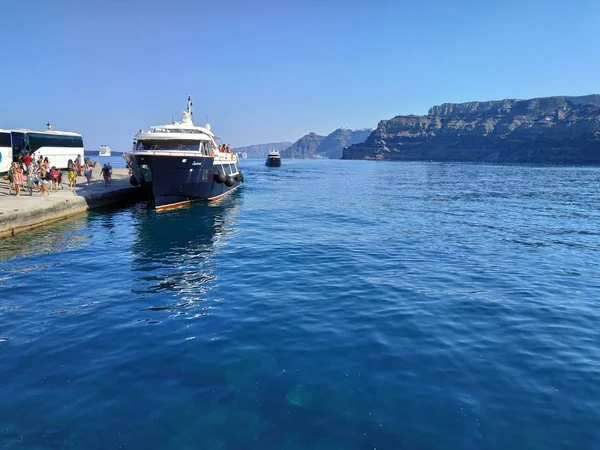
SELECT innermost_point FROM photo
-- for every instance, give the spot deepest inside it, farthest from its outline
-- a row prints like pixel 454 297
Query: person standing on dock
pixel 27 160
pixel 88 173
pixel 79 162
pixel 107 173
pixel 54 178
pixel 18 179
pixel 43 182
pixel 11 178
pixel 72 178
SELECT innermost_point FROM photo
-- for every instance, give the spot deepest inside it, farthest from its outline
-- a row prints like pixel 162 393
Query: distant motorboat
pixel 273 159
pixel 243 155
pixel 104 150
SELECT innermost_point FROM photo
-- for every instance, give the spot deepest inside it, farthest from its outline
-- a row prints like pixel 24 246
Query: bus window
pixel 5 140
pixel 37 141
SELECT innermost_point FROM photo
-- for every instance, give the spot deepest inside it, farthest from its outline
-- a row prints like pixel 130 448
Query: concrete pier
pixel 25 212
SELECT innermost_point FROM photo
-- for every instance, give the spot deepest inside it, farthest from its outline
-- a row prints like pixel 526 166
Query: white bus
pixel 5 150
pixel 60 147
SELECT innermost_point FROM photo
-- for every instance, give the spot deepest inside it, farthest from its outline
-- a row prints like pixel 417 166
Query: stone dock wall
pixel 26 212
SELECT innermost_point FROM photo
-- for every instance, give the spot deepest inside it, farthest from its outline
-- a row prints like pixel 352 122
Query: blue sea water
pixel 115 161
pixel 325 305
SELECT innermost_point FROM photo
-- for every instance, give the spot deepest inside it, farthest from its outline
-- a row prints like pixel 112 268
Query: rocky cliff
pixel 540 130
pixel 261 150
pixel 305 147
pixel 329 146
pixel 335 142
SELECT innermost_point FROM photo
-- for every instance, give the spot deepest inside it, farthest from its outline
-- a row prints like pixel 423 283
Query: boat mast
pixel 189 106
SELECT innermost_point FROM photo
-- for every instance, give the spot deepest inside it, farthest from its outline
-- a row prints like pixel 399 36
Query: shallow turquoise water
pixel 325 305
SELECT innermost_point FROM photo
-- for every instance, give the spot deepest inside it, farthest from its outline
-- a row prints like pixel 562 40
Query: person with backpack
pixel 107 173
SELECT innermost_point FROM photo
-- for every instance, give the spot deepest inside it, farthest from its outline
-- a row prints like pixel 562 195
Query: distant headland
pixel 556 130
pixel 312 144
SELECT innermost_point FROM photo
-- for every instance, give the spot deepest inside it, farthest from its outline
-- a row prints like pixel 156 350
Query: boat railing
pixel 195 153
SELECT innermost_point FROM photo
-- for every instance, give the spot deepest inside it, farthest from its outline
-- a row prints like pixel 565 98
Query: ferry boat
pixel 273 159
pixel 180 163
pixel 104 150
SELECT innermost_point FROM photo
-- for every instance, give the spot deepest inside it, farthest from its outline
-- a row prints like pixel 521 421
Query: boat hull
pixel 173 181
pixel 273 162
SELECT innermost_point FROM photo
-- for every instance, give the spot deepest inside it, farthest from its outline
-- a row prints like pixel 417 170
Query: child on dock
pixel 72 178
pixel 44 187
pixel 29 182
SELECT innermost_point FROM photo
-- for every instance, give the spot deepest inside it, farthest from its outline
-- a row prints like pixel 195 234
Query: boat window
pixel 5 140
pixel 38 140
pixel 176 130
pixel 169 145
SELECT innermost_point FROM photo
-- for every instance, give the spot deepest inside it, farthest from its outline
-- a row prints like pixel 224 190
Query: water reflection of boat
pixel 175 252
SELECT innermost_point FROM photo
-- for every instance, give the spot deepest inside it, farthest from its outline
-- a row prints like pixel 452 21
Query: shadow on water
pixel 173 251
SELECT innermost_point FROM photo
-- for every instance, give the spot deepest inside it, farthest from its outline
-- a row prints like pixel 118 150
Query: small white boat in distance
pixel 104 150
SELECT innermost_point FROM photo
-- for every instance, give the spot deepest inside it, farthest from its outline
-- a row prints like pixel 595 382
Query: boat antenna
pixel 189 105
pixel 172 118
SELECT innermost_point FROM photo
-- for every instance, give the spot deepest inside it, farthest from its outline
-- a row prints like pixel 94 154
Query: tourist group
pixel 28 175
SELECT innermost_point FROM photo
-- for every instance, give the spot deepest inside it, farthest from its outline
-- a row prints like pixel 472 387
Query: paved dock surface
pixel 25 212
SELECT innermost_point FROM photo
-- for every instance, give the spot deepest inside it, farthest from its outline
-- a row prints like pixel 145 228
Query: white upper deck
pixel 183 130
pixel 182 139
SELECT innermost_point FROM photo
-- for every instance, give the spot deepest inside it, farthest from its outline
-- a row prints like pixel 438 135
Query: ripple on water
pixel 457 308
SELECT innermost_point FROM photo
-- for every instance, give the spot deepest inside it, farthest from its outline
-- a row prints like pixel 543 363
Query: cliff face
pixel 335 142
pixel 330 146
pixel 540 130
pixel 261 150
pixel 304 147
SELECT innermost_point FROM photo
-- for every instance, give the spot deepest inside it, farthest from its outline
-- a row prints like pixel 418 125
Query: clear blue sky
pixel 269 71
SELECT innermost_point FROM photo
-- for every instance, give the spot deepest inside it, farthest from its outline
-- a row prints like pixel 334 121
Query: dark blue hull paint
pixel 273 162
pixel 176 179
